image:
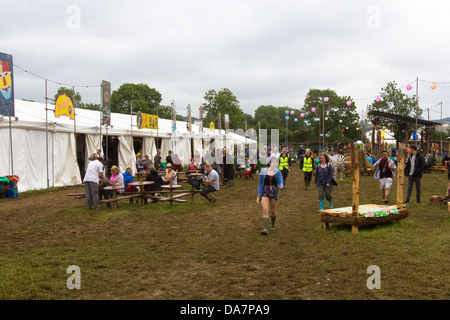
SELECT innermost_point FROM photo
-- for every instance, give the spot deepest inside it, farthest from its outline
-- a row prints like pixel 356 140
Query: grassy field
pixel 202 251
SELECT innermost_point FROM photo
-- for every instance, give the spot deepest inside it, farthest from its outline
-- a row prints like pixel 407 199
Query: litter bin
pixel 12 191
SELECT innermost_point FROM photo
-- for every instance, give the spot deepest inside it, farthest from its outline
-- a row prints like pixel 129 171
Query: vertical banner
pixel 6 85
pixel 190 119
pixel 201 118
pixel 245 126
pixel 174 120
pixel 211 126
pixel 227 121
pixel 106 103
pixel 220 122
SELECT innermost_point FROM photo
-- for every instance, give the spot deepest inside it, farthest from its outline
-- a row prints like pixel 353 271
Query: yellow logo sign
pixel 64 107
pixel 148 121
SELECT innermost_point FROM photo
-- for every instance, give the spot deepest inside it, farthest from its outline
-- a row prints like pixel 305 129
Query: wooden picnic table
pixel 141 184
pixel 114 199
pixel 171 187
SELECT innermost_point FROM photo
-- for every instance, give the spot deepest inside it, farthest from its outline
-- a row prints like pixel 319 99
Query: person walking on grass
pixel 308 166
pixel 384 172
pixel 270 180
pixel 413 170
pixel 285 164
pixel 323 181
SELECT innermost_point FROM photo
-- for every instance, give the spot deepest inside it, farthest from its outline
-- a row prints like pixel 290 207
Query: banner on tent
pixel 148 121
pixel 6 85
pixel 211 126
pixel 64 107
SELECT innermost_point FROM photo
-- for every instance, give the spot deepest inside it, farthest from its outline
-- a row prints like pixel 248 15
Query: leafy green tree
pixel 75 98
pixel 223 102
pixel 139 97
pixel 396 102
pixel 337 114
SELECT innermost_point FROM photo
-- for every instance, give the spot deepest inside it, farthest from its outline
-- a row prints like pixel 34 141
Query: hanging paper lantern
pixel 287 117
pixel 326 118
pixel 313 109
pixel 295 119
pixel 378 99
pixel 286 112
pixel 292 112
pixel 433 86
pixel 302 115
pixel 349 103
pixel 325 99
pixel 408 87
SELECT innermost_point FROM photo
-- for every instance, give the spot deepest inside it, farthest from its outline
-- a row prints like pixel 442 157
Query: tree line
pixel 338 115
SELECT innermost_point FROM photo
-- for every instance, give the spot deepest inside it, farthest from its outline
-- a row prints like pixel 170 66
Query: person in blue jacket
pixel 270 180
pixel 323 181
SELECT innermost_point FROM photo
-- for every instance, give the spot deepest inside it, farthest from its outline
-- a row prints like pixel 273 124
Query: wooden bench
pixel 115 200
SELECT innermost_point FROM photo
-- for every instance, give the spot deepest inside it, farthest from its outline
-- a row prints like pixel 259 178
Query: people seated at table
pixel 171 175
pixel 147 163
pixel 211 183
pixel 155 178
pixel 177 164
pixel 115 179
pixel 249 171
pixel 128 178
pixel 192 167
pixel 140 163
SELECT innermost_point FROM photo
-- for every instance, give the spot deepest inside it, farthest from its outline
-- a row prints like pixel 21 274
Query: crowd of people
pixel 271 166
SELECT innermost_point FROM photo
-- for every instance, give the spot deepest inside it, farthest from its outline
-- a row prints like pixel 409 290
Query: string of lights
pixel 57 82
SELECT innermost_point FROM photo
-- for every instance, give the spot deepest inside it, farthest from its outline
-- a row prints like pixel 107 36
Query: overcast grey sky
pixel 265 52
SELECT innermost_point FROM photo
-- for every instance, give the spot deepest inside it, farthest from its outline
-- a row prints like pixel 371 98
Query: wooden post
pixel 400 174
pixel 355 206
pixel 171 193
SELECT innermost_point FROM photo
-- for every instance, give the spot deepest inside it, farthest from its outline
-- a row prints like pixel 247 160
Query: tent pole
pixel 11 147
pixel 46 133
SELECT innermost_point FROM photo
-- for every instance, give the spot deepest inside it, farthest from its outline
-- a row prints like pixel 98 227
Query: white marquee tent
pixel 44 152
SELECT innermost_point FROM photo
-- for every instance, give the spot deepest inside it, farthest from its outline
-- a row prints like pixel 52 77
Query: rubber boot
pixel 322 205
pixel 331 204
pixel 266 224
pixel 273 222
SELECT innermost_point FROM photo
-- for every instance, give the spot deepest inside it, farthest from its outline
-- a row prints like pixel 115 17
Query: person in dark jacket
pixel 154 176
pixel 413 170
pixel 324 177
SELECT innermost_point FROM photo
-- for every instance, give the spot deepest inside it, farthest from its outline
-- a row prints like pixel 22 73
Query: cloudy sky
pixel 265 52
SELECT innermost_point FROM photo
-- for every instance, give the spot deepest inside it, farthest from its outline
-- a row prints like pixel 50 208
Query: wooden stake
pixel 355 206
pixel 400 173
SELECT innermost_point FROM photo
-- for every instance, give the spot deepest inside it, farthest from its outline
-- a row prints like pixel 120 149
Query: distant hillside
pixel 444 120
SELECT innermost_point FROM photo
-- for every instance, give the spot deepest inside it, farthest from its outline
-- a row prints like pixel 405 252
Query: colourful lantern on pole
pixel 378 99
pixel 349 103
pixel 433 86
pixel 295 119
pixel 326 99
pixel 292 112
pixel 408 87
pixel 287 117
pixel 286 112
pixel 313 109
pixel 302 115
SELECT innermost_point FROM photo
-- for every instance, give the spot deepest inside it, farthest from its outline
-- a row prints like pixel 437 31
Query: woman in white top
pixel 171 175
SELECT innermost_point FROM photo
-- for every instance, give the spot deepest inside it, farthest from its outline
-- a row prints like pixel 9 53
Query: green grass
pixel 199 251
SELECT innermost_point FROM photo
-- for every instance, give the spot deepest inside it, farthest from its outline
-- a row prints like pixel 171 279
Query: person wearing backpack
pixel 324 181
